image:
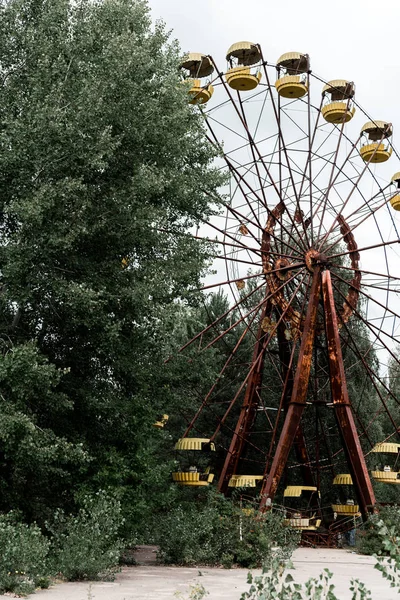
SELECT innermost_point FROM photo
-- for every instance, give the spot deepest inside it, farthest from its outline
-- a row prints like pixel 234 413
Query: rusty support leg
pixel 299 441
pixel 299 395
pixel 247 411
pixel 342 406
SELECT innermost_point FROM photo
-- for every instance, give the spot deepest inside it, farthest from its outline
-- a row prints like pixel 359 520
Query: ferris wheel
pixel 308 255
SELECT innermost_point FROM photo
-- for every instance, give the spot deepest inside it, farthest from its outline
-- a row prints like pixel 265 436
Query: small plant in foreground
pixel 23 556
pixel 196 592
pixel 276 584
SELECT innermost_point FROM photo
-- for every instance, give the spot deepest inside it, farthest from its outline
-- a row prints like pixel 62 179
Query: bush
pixel 87 546
pixel 370 540
pixel 220 532
pixel 23 556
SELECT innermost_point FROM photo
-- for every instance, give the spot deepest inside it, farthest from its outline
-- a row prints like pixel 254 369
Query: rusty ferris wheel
pixel 310 248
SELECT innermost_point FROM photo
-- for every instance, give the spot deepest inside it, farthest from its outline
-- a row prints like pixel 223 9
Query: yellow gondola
pixel 241 56
pixel 293 82
pixel 162 421
pixel 349 509
pixel 193 478
pixel 244 480
pixel 198 66
pixel 339 107
pixel 375 147
pixel 346 510
pixel 388 474
pixel 296 518
pixel 395 201
pixel 192 475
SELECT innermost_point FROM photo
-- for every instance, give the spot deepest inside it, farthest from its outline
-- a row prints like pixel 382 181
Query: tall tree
pixel 103 166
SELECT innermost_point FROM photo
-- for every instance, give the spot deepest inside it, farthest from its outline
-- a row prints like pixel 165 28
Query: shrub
pixel 87 545
pixel 219 531
pixel 23 556
pixel 370 540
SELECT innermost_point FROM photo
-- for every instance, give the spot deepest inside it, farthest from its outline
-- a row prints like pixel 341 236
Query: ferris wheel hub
pixel 315 258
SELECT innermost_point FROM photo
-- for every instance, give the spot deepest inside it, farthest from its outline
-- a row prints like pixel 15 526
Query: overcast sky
pixel 354 39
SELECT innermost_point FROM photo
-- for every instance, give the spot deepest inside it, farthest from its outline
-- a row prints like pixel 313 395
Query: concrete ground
pixel 150 582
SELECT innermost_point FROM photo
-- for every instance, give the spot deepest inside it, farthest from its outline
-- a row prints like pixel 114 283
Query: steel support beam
pixel 341 403
pixel 299 440
pixel 299 395
pixel 248 409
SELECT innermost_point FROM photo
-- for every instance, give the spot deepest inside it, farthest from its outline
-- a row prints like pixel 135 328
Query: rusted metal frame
pixel 355 186
pixel 220 283
pixel 236 212
pixel 262 141
pixel 284 390
pixel 226 313
pixel 327 161
pixel 211 241
pixel 224 233
pixel 386 258
pixel 210 118
pixel 370 327
pixel 396 241
pixel 221 373
pixel 232 259
pixel 313 136
pixel 358 223
pixel 332 182
pixel 225 102
pixel 372 376
pixel 383 275
pixel 355 410
pixel 298 397
pixel 264 410
pixel 347 177
pixel 320 190
pixel 242 317
pixel 382 190
pixel 252 144
pixel 247 412
pixel 254 366
pixel 233 170
pixel 280 162
pixel 333 170
pixel 309 155
pixel 386 308
pixel 299 441
pixel 250 138
pixel 327 446
pixel 375 286
pixel 284 148
pixel 342 405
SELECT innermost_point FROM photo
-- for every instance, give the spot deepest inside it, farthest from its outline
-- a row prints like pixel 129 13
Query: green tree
pixel 103 166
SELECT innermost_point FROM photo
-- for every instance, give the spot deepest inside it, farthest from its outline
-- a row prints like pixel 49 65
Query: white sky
pixel 356 39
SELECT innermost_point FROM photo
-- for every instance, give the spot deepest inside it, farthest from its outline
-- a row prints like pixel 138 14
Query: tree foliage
pixel 103 167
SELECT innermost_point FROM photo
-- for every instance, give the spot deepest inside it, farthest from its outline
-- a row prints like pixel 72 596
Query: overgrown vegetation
pixel 82 546
pixel 370 538
pixel 218 530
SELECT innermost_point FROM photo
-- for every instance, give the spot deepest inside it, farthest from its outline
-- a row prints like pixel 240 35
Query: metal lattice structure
pixel 308 258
